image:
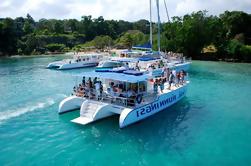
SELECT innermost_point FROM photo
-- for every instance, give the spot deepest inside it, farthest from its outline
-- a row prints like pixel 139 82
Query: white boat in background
pixel 107 65
pixel 78 61
pixel 135 99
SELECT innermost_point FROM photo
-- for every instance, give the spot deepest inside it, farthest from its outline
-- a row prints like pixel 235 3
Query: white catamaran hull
pixel 165 100
pixel 91 111
pixel 62 66
pixel 70 103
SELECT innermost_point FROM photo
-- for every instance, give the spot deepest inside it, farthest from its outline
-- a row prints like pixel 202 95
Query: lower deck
pixel 132 103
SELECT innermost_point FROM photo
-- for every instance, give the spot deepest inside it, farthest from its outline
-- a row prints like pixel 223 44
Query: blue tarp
pixel 115 76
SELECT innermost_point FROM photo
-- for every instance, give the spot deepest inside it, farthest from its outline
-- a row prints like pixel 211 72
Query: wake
pixel 28 107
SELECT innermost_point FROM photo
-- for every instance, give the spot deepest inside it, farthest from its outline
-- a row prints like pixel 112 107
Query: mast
pixel 167 12
pixel 157 3
pixel 151 30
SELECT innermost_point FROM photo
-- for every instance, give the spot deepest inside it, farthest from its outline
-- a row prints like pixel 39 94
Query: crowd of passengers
pixel 94 88
pixel 156 65
pixel 170 76
pixel 90 88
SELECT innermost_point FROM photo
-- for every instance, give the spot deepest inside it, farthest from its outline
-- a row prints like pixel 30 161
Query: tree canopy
pixel 229 33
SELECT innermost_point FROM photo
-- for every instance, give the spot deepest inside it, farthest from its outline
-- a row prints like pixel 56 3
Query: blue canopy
pixel 115 76
pixel 146 46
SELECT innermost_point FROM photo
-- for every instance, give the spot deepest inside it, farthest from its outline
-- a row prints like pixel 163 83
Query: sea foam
pixel 28 107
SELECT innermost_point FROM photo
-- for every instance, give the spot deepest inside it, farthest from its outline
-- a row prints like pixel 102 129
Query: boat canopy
pixel 126 59
pixel 146 46
pixel 115 76
pixel 131 52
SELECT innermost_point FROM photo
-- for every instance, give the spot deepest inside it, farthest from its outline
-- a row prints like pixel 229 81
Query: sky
pixel 130 10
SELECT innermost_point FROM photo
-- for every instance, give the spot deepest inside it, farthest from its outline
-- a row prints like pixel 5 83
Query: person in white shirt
pixel 97 89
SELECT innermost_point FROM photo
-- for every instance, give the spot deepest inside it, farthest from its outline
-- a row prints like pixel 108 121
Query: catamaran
pixel 78 61
pixel 146 56
pixel 132 94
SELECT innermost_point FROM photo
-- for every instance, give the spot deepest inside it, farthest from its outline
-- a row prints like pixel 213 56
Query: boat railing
pixel 120 99
pixel 123 99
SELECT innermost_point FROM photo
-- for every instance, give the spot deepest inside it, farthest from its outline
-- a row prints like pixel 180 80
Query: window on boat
pixel 119 64
pixel 110 64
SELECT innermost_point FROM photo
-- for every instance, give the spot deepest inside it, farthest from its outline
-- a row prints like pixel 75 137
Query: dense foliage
pixel 229 34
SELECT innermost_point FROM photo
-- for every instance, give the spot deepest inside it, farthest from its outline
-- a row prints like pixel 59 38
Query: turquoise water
pixel 210 126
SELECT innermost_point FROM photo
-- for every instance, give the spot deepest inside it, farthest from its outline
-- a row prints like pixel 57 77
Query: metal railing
pixel 117 98
pixel 121 99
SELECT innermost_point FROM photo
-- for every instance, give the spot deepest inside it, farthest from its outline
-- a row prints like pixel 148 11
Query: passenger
pixel 74 90
pixel 130 93
pixel 95 80
pixel 85 90
pixel 101 90
pixel 88 90
pixel 161 64
pixel 81 92
pixel 83 81
pixel 126 66
pixel 97 90
pixel 153 67
pixel 161 84
pixel 119 90
pixel 166 74
pixel 177 79
pixel 150 69
pixel 90 83
pixel 170 80
pixel 137 66
pixel 131 96
pixel 111 89
pixel 79 86
pixel 155 86
pixel 182 77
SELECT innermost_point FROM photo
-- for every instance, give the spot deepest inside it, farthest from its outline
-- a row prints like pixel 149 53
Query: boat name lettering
pixel 155 106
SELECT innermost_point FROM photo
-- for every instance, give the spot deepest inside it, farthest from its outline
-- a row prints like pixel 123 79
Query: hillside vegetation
pixel 227 36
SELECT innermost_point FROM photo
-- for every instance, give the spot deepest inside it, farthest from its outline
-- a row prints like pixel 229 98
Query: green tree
pixel 8 37
pixel 55 47
pixel 102 41
pixel 27 28
pixel 142 25
pixel 58 27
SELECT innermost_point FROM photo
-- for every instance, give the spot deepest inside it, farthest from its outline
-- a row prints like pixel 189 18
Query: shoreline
pixel 71 53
